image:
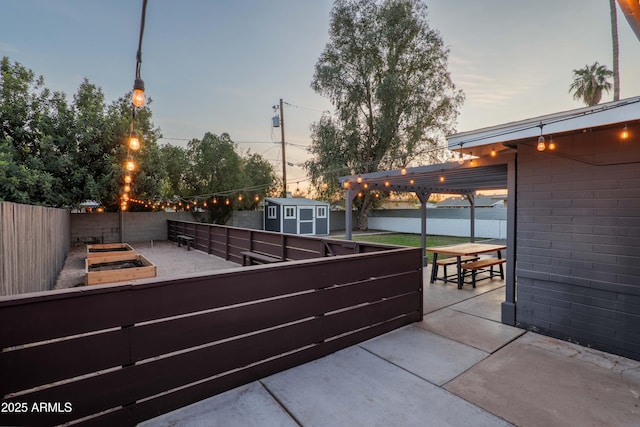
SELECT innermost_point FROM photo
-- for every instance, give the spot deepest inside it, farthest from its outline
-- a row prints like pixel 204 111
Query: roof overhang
pixel 625 111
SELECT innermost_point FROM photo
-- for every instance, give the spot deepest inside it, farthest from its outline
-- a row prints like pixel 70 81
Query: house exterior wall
pixel 578 242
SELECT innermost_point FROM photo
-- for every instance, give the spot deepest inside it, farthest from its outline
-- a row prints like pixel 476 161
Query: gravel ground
pixel 169 259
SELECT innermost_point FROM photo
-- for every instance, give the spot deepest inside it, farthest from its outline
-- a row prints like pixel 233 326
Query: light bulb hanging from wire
pixel 625 132
pixel 541 144
pixel 138 98
pixel 134 140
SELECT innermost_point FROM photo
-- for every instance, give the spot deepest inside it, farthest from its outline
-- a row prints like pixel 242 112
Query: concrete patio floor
pixel 458 367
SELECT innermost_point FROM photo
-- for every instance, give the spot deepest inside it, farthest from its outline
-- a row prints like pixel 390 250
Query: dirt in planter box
pixel 116 265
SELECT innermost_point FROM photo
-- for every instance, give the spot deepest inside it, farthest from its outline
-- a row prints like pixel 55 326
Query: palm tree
pixel 589 82
pixel 614 38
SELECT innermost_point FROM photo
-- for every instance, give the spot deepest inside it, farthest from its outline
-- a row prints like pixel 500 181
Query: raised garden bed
pixel 118 268
pixel 108 249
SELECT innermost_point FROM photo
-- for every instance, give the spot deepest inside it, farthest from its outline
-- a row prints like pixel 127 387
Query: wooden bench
pixel 188 240
pixel 453 261
pixel 481 266
pixel 248 256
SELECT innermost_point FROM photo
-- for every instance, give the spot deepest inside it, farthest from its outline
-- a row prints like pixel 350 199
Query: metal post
pixel 509 305
pixel 348 205
pixel 423 197
pixel 472 230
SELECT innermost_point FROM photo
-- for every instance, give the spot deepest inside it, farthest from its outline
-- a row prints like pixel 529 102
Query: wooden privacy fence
pixel 119 354
pixel 229 242
pixel 34 243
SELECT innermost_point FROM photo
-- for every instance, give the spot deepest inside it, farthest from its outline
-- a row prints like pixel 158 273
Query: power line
pixel 303 108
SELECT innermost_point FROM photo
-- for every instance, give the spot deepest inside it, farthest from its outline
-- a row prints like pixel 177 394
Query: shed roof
pixel 296 201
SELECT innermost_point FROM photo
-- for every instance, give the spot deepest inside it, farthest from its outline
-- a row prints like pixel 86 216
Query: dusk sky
pixel 219 66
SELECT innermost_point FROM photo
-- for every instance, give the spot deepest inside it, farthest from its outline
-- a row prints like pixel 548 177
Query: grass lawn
pixel 410 240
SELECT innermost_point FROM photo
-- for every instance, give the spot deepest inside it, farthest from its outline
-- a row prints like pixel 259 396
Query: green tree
pixel 258 178
pixel 175 164
pixel 214 167
pixel 589 83
pixel 211 170
pixel 59 154
pixel 32 122
pixel 149 176
pixel 385 71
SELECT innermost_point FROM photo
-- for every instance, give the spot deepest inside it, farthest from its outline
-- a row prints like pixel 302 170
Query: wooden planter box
pixel 108 249
pixel 118 268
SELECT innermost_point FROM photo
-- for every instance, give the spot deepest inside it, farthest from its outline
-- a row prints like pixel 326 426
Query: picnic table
pixel 474 265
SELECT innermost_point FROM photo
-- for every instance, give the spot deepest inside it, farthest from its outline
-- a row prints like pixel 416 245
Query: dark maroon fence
pixel 228 242
pixel 119 354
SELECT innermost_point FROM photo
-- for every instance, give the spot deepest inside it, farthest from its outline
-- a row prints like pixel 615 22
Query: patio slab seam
pixel 279 401
pixel 489 352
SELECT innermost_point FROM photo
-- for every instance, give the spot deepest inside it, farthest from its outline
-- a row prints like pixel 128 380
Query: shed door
pixel 306 220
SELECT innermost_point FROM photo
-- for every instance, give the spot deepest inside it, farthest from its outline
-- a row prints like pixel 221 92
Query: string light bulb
pixel 131 166
pixel 134 141
pixel 625 132
pixel 460 159
pixel 441 178
pixel 403 171
pixel 493 152
pixel 552 144
pixel 359 179
pixel 127 188
pixel 541 145
pixel 127 179
pixel 138 98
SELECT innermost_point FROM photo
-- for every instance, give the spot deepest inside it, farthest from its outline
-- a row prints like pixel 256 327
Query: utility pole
pixel 284 161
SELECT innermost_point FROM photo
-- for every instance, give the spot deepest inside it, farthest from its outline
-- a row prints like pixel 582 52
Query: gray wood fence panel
pixel 34 243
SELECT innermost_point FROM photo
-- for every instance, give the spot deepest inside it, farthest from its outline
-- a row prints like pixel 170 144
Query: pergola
pixel 484 173
pixel 494 171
